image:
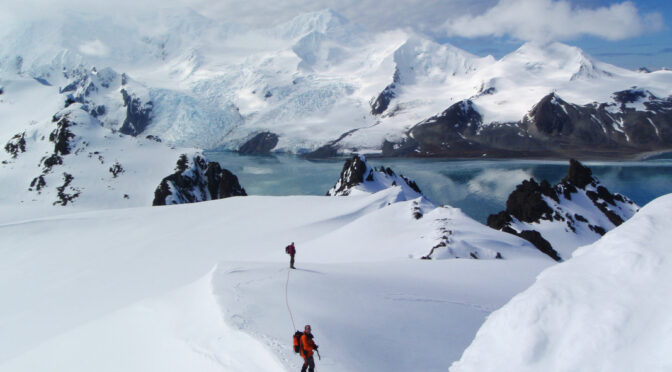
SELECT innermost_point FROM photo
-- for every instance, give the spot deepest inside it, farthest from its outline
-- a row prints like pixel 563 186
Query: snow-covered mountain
pixel 558 219
pixel 72 159
pixel 317 80
pixel 606 309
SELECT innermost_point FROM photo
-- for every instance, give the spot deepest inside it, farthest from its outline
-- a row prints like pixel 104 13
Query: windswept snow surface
pixel 202 286
pixel 606 309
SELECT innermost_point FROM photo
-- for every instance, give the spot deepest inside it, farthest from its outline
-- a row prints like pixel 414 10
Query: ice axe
pixel 318 354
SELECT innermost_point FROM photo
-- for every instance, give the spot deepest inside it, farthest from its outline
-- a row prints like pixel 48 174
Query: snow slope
pixel 162 287
pixel 212 84
pixel 72 159
pixel 606 309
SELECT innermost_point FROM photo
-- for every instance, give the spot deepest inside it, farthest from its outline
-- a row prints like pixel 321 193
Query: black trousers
pixel 291 261
pixel 308 363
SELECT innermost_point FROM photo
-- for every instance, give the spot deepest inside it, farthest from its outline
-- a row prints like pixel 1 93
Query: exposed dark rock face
pixel 138 114
pixel 116 169
pixel 260 144
pixel 459 132
pixel 65 142
pixel 63 197
pixel 16 145
pixel 61 136
pixel 531 203
pixel 356 172
pixel 197 180
pixel 351 176
pixel 578 175
pixel 526 203
pixel 38 183
pixel 49 161
pixel 542 244
pixel 382 102
pixel 83 83
pixel 553 128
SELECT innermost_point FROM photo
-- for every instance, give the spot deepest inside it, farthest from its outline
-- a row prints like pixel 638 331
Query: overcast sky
pixel 627 33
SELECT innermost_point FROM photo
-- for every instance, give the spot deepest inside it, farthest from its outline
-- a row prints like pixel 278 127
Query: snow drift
pixel 606 309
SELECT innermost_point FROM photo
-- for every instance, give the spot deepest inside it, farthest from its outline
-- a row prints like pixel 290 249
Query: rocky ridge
pixel 450 233
pixel 558 219
pixel 635 121
pixel 358 176
pixel 196 180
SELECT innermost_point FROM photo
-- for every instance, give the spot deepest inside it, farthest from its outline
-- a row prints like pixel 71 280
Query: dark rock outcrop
pixel 66 193
pixel 138 114
pixel 260 144
pixel 116 169
pixel 526 203
pixel 542 244
pixel 351 176
pixel 531 203
pixel 382 102
pixel 197 180
pixel 62 135
pixel 635 122
pixel 64 142
pixel 357 173
pixel 16 145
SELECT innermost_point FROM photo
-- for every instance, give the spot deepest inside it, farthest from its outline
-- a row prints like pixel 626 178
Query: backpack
pixel 297 341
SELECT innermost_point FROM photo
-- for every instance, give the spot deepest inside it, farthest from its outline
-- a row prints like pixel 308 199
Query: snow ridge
pixel 592 313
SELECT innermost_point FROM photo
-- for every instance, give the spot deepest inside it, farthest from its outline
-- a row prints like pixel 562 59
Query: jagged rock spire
pixel 559 219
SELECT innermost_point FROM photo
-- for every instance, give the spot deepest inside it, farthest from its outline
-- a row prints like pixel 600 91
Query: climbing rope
pixel 287 300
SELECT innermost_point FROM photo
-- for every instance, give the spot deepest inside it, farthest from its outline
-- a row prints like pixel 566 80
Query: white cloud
pixel 94 48
pixel 545 20
pixel 497 184
pixel 373 14
pixel 521 19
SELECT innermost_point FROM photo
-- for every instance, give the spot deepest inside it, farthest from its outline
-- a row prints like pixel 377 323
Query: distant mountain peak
pixel 326 21
pixel 555 56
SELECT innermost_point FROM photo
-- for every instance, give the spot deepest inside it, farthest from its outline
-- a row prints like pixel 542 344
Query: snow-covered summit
pixel 326 22
pixel 556 58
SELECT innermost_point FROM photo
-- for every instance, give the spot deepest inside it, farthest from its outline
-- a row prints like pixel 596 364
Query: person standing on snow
pixel 307 347
pixel 291 251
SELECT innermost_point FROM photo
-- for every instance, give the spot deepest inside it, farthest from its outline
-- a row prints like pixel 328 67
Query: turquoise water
pixel 478 187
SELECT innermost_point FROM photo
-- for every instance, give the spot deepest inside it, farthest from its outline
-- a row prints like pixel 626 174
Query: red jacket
pixel 307 346
pixel 290 249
